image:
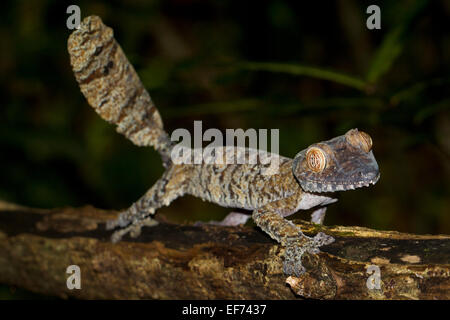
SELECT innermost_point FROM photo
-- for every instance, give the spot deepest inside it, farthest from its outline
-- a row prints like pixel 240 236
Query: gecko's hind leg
pixel 319 215
pixel 232 219
pixel 138 215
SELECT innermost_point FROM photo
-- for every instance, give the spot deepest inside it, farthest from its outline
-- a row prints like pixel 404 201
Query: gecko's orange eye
pixel 366 141
pixel 359 139
pixel 316 159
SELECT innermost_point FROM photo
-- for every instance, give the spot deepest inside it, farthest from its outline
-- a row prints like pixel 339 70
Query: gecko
pixel 112 87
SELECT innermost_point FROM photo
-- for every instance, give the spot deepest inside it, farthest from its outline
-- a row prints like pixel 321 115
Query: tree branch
pixel 211 262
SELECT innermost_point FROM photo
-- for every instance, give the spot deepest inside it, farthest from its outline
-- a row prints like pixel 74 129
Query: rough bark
pixel 210 262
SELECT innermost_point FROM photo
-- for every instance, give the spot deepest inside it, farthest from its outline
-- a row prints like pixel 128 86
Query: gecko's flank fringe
pixel 113 88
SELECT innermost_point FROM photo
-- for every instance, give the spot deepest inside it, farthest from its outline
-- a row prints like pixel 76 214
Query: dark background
pixel 235 64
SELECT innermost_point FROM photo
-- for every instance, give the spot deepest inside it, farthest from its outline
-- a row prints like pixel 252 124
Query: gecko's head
pixel 343 163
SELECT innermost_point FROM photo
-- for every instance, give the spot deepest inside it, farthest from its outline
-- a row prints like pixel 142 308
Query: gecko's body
pixel 113 88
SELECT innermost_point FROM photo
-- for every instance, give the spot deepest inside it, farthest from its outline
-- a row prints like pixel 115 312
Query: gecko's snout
pixel 371 176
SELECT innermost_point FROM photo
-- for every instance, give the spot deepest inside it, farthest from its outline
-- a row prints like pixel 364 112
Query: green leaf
pixel 386 55
pixel 412 92
pixel 298 69
pixel 240 105
pixel 273 108
pixel 431 110
pixel 393 44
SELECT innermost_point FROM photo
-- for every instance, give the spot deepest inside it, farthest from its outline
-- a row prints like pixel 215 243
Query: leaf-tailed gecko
pixel 113 88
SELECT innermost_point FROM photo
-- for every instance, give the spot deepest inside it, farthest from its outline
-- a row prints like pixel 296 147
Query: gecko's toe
pixel 292 264
pixel 291 268
pixel 322 239
pixel 111 224
pixel 121 221
pixel 135 232
pixel 117 236
pixel 295 249
pixel 134 229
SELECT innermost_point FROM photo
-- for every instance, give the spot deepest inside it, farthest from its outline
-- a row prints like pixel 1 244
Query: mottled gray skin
pixel 113 89
pixel 244 186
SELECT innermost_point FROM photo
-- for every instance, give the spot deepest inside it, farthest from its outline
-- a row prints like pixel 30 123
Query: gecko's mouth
pixel 332 186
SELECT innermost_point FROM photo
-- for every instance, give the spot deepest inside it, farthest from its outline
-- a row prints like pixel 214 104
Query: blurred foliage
pixel 312 70
pixel 13 293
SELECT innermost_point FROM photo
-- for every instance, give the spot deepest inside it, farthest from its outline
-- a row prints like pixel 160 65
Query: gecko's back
pixel 241 182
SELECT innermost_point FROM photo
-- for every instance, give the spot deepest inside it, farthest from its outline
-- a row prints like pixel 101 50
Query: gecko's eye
pixel 366 141
pixel 359 139
pixel 316 159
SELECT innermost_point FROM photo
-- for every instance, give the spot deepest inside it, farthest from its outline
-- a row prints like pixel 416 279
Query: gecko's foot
pixel 123 219
pixel 295 248
pixel 130 216
pixel 119 222
pixel 233 219
pixel 133 229
pixel 318 215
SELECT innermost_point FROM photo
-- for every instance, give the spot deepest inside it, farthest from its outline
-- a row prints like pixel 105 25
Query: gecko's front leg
pixel 270 219
pixel 169 187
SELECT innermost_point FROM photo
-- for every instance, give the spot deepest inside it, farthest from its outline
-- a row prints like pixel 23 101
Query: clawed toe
pixel 292 264
pixel 293 268
pixel 121 222
pixel 111 224
pixel 295 249
pixel 133 229
pixel 322 239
